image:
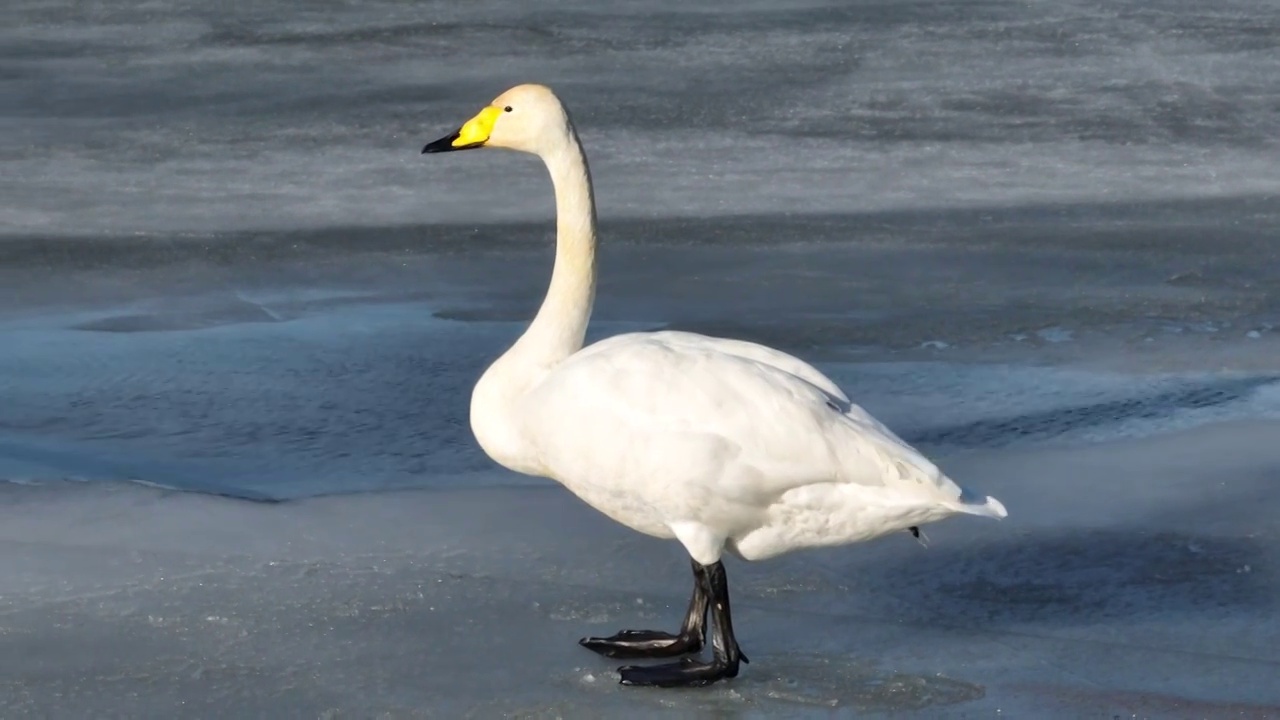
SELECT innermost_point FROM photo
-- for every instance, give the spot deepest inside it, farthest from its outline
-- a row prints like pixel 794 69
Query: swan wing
pixel 682 422
pixel 751 351
pixel 787 363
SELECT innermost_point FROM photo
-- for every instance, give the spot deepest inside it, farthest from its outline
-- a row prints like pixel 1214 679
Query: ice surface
pixel 1131 578
pixel 181 116
pixel 293 392
pixel 1136 574
pixel 1038 239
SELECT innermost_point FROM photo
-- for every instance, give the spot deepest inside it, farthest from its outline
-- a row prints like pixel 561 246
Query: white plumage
pixel 726 444
pixel 721 444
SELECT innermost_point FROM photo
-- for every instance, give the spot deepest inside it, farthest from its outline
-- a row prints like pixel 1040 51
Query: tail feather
pixel 991 508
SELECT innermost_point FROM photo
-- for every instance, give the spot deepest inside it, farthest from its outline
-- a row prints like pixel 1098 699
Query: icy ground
pixel 1134 579
pixel 1128 421
pixel 340 369
pixel 189 118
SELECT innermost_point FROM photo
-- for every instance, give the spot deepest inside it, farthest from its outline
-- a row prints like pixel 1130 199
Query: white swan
pixel 720 444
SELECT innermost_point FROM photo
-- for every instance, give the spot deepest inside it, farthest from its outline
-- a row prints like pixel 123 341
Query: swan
pixel 722 445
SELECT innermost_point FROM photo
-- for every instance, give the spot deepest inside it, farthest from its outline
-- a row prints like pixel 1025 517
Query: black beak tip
pixel 444 144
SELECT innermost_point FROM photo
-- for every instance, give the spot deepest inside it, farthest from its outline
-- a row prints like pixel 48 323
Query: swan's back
pixel 759 358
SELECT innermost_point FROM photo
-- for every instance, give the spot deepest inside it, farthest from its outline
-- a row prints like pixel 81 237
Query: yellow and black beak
pixel 475 133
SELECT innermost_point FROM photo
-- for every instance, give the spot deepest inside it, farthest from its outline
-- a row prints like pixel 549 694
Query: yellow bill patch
pixel 478 128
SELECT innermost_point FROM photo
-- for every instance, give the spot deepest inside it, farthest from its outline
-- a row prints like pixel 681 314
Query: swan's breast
pixel 500 428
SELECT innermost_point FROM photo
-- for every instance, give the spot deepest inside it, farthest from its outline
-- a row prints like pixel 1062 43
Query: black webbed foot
pixel 658 644
pixel 689 672
pixel 711 592
pixel 644 644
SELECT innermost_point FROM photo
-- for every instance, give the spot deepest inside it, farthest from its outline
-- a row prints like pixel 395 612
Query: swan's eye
pixel 506 109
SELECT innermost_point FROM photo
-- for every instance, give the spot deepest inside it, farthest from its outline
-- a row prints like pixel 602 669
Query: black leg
pixel 658 644
pixel 919 535
pixel 726 655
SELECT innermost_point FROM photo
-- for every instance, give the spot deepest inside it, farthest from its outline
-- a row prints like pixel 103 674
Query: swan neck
pixel 560 327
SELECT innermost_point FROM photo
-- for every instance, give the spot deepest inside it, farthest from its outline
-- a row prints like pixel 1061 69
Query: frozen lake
pixel 240 318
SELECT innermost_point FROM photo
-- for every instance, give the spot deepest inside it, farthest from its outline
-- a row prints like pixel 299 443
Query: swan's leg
pixel 725 652
pixel 658 644
pixel 919 535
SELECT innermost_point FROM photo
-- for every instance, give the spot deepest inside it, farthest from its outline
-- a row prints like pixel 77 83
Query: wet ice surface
pixel 1039 241
pixel 240 375
pixel 252 397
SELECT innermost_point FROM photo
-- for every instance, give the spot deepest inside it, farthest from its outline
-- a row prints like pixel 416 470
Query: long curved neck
pixel 561 324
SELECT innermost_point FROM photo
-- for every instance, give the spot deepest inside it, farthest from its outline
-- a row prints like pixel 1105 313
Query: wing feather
pixel 730 415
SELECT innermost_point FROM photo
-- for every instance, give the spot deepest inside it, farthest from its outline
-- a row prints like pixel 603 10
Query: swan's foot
pixel 711 591
pixel 644 644
pixel 657 644
pixel 686 673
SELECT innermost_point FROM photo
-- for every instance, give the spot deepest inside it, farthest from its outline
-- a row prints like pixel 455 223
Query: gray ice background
pixel 1041 240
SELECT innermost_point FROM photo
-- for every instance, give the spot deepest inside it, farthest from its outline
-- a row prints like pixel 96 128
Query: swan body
pixel 723 445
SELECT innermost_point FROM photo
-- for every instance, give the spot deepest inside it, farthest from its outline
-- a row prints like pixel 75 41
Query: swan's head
pixel 526 117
